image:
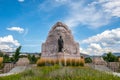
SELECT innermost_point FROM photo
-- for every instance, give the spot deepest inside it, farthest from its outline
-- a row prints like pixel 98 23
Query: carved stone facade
pixel 50 47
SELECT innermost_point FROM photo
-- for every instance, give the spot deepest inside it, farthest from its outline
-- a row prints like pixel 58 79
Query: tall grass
pixel 61 61
pixel 1 62
pixel 41 62
pixel 61 73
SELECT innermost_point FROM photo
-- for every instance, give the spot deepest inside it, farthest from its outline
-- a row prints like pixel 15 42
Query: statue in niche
pixel 60 44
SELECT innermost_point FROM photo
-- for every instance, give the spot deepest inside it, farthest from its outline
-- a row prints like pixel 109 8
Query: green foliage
pixel 17 53
pixel 32 59
pixel 110 57
pixel 6 57
pixel 61 73
pixel 88 60
pixel 1 66
pixel 1 54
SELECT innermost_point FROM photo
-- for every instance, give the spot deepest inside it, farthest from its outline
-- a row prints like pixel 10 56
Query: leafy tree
pixel 16 55
pixel 110 57
pixel 88 60
pixel 6 58
pixel 32 58
pixel 29 57
pixel 1 54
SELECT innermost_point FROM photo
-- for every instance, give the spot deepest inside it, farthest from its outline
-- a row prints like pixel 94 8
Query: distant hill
pixel 84 55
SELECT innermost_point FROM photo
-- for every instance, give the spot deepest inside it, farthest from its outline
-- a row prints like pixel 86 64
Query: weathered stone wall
pixel 115 66
pixel 50 47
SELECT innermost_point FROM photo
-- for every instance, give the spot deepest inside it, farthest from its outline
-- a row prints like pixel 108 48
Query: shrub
pixel 110 57
pixel 88 60
pixel 47 61
pixel 6 58
pixel 56 61
pixel 32 58
pixel 77 61
pixel 1 54
pixel 68 62
pixel 1 62
pixel 52 61
pixel 41 62
pixel 73 62
pixel 82 62
pixel 62 61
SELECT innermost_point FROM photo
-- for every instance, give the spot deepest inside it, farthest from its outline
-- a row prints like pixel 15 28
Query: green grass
pixel 61 73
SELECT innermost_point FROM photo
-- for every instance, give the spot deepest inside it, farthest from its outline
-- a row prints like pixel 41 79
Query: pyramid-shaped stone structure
pixel 50 49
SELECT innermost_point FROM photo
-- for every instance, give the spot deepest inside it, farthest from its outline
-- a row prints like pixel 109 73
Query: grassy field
pixel 61 73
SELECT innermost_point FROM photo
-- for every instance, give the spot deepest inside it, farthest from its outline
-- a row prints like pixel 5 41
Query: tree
pixel 6 58
pixel 16 55
pixel 88 60
pixel 110 57
pixel 1 54
pixel 32 58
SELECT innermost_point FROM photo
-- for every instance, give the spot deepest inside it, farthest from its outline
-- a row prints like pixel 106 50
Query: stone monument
pixel 60 43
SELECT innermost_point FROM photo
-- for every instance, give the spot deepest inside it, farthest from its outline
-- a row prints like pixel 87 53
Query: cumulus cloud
pixel 84 13
pixel 18 29
pixel 107 38
pixel 106 41
pixel 21 0
pixel 8 43
pixel 95 13
pixel 111 6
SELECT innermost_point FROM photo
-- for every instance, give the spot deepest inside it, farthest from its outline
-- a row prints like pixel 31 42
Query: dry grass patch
pixel 61 61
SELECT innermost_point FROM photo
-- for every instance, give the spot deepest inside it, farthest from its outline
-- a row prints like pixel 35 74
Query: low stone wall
pixel 115 66
pixel 22 62
pixel 7 67
pixel 98 61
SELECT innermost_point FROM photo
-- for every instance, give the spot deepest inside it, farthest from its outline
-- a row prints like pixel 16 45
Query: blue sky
pixel 95 24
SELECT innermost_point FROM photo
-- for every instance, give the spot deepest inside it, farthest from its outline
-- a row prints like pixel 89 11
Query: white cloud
pixel 21 0
pixel 95 46
pixel 51 5
pixel 108 40
pixel 60 0
pixel 107 37
pixel 18 29
pixel 111 6
pixel 94 14
pixel 86 14
pixel 8 44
